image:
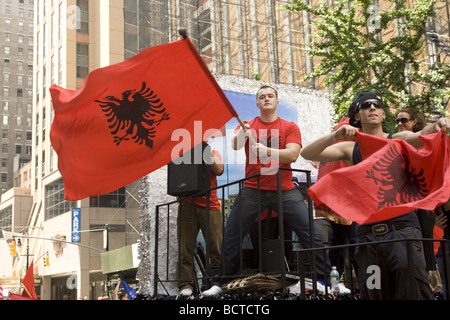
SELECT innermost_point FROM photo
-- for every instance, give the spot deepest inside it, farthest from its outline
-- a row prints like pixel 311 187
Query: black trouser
pixel 245 212
pixel 384 271
pixel 426 221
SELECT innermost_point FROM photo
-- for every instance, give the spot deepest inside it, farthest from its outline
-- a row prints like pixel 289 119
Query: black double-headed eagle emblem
pixel 134 115
pixel 398 182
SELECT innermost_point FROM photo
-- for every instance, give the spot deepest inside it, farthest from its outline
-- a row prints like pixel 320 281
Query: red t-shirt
pixel 214 203
pixel 276 135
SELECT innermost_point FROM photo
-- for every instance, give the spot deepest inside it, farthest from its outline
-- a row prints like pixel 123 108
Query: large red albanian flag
pixel 393 179
pixel 118 127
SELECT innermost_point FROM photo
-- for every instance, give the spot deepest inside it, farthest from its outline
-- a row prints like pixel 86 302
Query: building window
pixel 52 69
pixel 55 203
pixel 114 199
pixel 60 63
pixel 60 20
pixel 82 60
pixel 204 29
pixel 6 217
pixel 131 12
pixel 84 16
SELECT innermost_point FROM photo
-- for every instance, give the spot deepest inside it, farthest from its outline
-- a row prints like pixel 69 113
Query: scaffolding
pixel 257 39
pixel 245 38
pixel 438 42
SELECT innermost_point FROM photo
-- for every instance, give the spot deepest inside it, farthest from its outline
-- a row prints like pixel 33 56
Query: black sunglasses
pixel 402 120
pixel 368 104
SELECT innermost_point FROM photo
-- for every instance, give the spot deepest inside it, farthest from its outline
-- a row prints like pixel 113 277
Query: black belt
pixel 383 228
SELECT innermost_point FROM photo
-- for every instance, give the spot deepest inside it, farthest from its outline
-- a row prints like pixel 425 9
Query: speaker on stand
pixel 190 173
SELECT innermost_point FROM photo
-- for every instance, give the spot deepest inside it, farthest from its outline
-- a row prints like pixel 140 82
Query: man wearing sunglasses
pixel 366 114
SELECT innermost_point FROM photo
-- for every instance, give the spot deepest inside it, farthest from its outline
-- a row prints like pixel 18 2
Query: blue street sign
pixel 76 224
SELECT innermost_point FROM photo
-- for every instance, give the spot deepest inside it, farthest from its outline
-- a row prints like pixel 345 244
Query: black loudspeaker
pixel 190 173
pixel 272 261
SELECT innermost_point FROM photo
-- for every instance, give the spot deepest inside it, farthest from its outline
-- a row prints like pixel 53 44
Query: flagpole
pixel 183 33
pixel 243 127
pixel 28 292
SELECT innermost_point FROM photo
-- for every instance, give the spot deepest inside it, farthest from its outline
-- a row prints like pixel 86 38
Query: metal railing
pixel 302 269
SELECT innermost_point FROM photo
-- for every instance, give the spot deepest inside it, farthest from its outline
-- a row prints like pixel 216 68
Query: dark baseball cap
pixel 356 104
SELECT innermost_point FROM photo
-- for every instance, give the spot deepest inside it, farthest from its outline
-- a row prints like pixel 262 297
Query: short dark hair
pixel 265 87
pixel 356 104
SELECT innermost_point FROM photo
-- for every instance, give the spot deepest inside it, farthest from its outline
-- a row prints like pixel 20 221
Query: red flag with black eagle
pixel 118 126
pixel 393 179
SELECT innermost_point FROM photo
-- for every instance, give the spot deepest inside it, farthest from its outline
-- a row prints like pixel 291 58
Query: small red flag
pixel 13 296
pixel 118 127
pixel 28 283
pixel 394 179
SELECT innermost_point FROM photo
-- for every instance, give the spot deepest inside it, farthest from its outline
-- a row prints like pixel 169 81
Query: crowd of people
pixel 271 142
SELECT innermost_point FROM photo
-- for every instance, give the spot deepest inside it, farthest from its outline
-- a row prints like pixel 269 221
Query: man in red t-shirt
pixel 191 218
pixel 270 143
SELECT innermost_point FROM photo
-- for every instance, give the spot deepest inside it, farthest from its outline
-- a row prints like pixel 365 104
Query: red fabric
pixel 159 90
pixel 214 202
pixel 438 233
pixel 264 214
pixel 276 135
pixel 13 296
pixel 327 167
pixel 395 179
pixel 28 283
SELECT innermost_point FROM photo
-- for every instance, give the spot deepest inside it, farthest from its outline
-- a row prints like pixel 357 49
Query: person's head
pixel 366 108
pixel 122 296
pixel 267 98
pixel 408 119
pixel 264 88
